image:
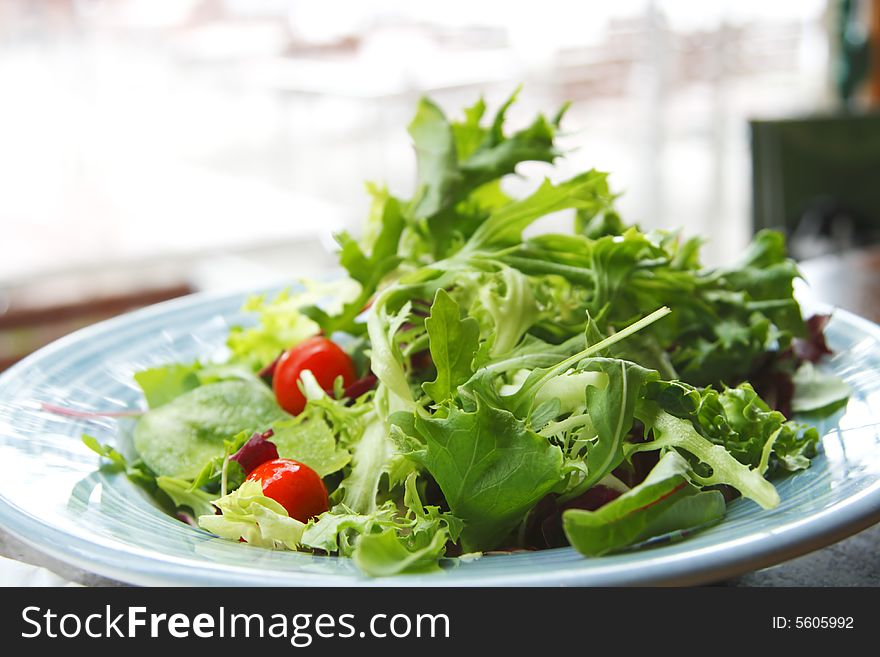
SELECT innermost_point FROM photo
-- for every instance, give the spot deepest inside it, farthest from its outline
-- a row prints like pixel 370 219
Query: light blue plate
pixel 53 496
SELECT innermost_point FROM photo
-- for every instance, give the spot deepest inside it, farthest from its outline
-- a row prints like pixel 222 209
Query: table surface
pixel 850 281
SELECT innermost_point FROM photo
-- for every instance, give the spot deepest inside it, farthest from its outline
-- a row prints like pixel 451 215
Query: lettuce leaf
pixel 741 422
pixel 259 520
pixel 166 382
pixel 178 438
pixel 490 467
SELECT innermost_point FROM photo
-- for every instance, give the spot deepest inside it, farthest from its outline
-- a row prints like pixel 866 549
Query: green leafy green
pixel 502 375
pixel 181 493
pixel 164 383
pixel 310 440
pixel 367 270
pixel 369 460
pixel 738 420
pixel 815 390
pixel 178 438
pixel 453 343
pixel 413 545
pixel 259 520
pixel 281 325
pixel 490 467
pixel 611 413
pixel 629 518
pixel 670 431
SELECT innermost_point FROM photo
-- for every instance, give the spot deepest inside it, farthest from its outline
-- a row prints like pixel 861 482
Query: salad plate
pixel 471 405
pixel 54 495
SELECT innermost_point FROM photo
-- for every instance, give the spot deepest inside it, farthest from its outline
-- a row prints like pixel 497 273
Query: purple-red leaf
pixel 360 387
pixel 256 451
pixel 813 347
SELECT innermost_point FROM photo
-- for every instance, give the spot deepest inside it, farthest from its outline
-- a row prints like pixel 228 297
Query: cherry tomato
pixel 323 358
pixel 294 485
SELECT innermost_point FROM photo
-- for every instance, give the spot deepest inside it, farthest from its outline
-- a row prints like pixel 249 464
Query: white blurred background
pixel 158 146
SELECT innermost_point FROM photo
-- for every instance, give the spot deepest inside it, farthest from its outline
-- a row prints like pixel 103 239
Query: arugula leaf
pixel 438 173
pixel 523 399
pixel 505 226
pixel 368 270
pixel 611 414
pixel 459 165
pixel 628 518
pixel 490 467
pixel 453 344
pixel 178 438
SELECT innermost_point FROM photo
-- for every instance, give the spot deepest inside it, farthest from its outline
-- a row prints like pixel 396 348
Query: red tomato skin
pixel 294 485
pixel 323 357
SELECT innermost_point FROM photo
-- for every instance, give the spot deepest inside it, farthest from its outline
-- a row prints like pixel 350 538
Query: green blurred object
pixel 818 177
pixel 853 61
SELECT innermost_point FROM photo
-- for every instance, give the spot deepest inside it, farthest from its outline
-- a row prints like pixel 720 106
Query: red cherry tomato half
pixel 294 485
pixel 323 358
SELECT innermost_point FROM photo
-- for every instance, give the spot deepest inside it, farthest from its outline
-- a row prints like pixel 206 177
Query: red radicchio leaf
pixel 268 372
pixel 775 387
pixel 361 386
pixel 544 524
pixel 188 518
pixel 813 347
pixel 256 451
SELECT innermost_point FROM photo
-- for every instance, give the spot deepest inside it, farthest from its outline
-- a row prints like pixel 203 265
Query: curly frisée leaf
pixel 507 298
pixel 385 359
pixel 413 544
pixel 386 542
pixel 369 459
pixel 333 531
pixel 670 431
pixel 249 515
pixel 281 325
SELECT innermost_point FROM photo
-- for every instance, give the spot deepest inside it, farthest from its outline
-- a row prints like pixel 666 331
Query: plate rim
pixel 710 563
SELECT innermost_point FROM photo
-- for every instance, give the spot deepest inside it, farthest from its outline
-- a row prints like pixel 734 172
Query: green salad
pixel 470 389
